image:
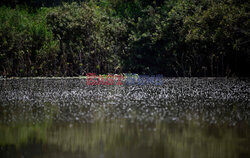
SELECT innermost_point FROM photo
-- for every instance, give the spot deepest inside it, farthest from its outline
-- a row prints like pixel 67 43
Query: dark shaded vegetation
pixel 174 38
pixel 36 3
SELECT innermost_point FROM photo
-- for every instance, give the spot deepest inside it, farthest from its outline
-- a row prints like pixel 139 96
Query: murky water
pixel 184 118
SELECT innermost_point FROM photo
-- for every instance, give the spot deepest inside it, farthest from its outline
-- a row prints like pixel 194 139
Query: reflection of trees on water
pixel 123 138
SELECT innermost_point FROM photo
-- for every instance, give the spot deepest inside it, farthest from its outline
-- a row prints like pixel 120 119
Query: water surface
pixel 186 117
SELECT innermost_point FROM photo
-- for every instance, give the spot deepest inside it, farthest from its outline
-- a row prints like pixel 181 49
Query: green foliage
pixel 35 3
pixel 155 41
pixel 190 38
pixel 90 40
pixel 221 33
pixel 24 37
pixel 174 38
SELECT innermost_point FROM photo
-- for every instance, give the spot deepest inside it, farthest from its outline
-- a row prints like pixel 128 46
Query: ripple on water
pixel 179 99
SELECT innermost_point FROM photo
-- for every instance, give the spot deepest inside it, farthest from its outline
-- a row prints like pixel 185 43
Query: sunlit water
pixel 184 118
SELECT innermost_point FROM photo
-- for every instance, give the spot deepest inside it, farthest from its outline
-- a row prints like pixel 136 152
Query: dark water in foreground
pixel 184 118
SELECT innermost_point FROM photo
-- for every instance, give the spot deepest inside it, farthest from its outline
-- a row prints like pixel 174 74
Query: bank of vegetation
pixel 169 37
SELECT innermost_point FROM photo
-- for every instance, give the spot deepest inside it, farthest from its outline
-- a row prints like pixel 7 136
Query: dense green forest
pixel 169 37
